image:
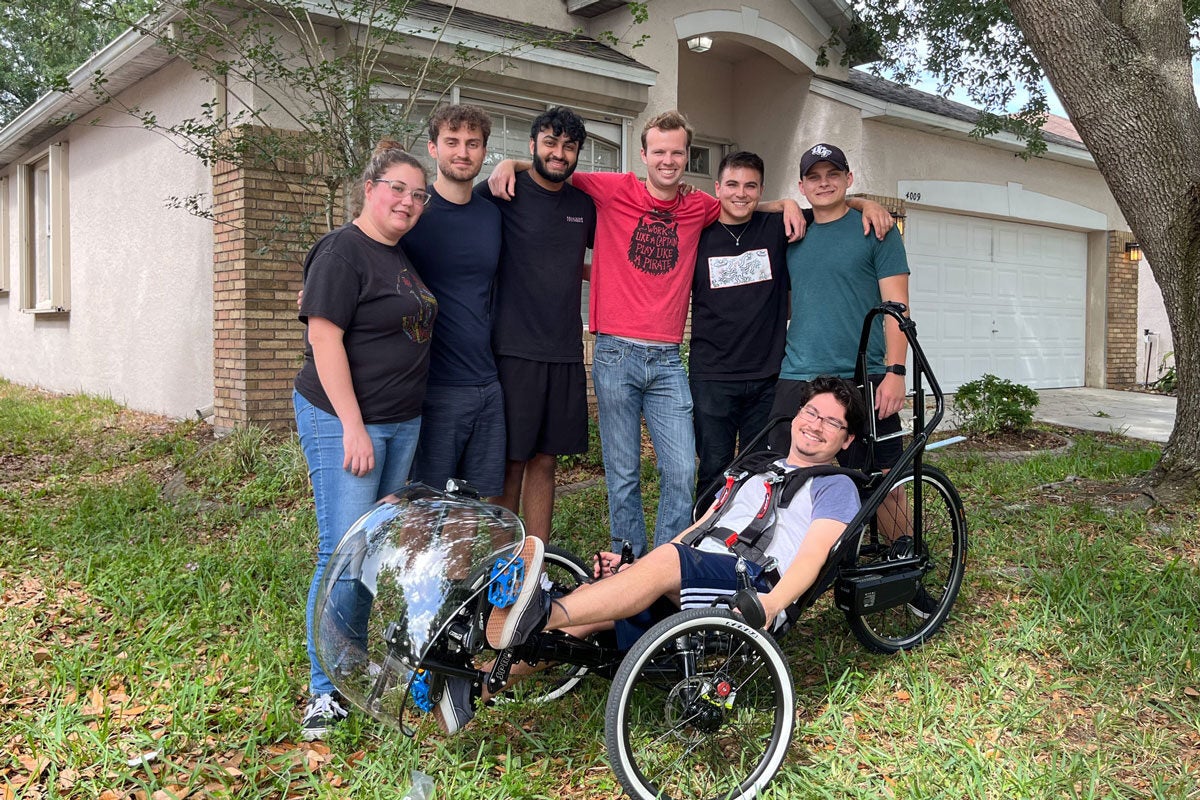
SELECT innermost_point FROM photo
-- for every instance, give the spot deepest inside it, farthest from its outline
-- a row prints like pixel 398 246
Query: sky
pixel 1056 106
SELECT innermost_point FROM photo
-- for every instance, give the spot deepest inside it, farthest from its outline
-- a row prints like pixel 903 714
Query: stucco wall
pixel 764 84
pixel 1152 314
pixel 699 86
pixel 887 157
pixel 140 324
pixel 707 101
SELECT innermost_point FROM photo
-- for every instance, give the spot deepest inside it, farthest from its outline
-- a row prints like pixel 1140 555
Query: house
pixel 1019 267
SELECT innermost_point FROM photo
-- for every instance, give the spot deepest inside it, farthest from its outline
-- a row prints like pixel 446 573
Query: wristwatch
pixel 896 369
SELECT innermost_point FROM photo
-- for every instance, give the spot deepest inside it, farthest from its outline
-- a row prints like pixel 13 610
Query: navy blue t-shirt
pixel 456 249
pixel 546 235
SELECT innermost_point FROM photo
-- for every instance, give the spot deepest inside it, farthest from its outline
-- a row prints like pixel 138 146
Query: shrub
pixel 1168 381
pixel 990 405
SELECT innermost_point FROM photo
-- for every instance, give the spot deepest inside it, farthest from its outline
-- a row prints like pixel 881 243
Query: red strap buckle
pixel 724 495
pixel 766 500
pixel 732 540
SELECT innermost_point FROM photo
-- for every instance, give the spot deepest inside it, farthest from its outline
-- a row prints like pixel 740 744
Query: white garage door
pixel 1004 298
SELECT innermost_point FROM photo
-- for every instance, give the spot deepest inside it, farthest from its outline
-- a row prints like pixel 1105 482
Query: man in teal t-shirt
pixel 838 274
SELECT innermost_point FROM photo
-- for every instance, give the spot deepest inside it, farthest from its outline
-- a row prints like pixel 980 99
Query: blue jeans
pixel 340 497
pixel 633 380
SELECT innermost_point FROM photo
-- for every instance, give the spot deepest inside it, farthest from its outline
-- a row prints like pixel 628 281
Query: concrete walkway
pixel 1135 414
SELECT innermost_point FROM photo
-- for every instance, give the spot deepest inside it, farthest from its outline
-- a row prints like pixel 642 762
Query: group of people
pixel 453 348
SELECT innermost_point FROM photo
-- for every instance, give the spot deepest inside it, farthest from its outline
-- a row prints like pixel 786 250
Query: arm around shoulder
pixel 874 215
pixel 503 181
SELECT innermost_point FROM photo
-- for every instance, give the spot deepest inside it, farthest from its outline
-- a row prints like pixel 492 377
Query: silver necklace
pixel 737 237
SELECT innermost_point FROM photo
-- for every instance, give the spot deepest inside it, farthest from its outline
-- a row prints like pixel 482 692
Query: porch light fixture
pixel 899 217
pixel 700 44
pixel 1133 251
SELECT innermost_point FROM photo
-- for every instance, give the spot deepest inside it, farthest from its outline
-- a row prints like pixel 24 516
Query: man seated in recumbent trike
pixel 783 531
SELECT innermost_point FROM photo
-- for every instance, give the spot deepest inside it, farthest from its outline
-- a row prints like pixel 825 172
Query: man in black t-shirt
pixel 739 318
pixel 537 332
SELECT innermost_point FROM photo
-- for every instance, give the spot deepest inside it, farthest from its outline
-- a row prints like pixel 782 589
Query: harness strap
pixel 781 486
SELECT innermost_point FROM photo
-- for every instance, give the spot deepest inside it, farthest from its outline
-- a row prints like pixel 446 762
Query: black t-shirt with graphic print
pixel 370 291
pixel 740 300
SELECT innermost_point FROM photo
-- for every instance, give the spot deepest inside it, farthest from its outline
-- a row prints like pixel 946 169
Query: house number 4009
pixel 913 196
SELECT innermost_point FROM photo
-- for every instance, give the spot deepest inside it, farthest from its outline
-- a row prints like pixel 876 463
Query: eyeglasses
pixel 829 423
pixel 400 189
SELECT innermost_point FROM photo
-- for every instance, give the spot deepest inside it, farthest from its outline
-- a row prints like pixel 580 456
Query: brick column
pixel 892 204
pixel 1121 307
pixel 257 270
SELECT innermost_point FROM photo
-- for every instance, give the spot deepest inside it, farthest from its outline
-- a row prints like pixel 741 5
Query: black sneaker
pixel 322 713
pixel 901 548
pixel 922 604
pixel 457 706
pixel 525 612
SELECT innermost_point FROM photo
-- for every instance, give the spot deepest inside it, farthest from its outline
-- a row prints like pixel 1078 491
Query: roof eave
pixel 52 111
pixel 939 125
pixel 45 116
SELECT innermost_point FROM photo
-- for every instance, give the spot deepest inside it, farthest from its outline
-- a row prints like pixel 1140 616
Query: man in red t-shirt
pixel 647 231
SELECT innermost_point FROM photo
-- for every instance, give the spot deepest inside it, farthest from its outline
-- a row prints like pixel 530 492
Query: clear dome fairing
pixel 402 573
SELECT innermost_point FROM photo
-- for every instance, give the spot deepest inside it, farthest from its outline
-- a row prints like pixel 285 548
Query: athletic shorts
pixel 787 401
pixel 704 578
pixel 545 407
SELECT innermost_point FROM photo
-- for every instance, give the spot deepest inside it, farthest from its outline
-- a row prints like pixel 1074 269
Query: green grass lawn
pixel 152 638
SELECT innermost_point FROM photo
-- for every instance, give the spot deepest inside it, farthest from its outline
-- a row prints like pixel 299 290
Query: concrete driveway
pixel 1136 414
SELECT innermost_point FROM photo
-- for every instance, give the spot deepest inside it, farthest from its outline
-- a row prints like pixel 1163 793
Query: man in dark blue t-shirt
pixel 538 330
pixel 456 250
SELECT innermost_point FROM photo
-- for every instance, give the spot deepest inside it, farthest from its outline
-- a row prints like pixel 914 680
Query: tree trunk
pixel 1123 71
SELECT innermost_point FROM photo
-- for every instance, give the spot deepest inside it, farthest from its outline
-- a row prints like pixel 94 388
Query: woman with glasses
pixel 358 396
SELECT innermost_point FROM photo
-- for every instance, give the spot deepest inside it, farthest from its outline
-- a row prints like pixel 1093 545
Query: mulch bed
pixel 1025 441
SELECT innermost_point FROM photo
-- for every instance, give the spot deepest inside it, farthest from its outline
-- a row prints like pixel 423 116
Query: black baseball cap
pixel 823 152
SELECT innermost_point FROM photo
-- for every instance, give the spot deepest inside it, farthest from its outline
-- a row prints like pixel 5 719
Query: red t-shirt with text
pixel 644 256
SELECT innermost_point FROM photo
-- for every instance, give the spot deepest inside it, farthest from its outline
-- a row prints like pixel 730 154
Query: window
pixel 598 155
pixel 510 139
pixel 4 241
pixel 703 158
pixel 42 219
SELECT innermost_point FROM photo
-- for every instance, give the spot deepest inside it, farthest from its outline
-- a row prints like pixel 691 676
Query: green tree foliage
pixel 972 46
pixel 42 41
pixel 976 46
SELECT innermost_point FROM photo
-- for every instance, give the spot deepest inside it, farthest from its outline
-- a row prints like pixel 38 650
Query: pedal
pixel 506 579
pixel 419 691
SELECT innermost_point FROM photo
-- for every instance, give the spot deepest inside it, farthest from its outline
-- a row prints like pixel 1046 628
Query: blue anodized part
pixel 420 691
pixel 507 576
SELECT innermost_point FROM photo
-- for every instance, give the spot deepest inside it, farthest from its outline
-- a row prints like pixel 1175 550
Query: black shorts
pixel 545 407
pixel 787 401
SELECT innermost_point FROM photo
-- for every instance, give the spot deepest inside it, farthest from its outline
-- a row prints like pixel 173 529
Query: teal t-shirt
pixel 835 273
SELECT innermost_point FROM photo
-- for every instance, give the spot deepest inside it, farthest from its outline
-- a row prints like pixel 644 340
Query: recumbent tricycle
pixel 702 705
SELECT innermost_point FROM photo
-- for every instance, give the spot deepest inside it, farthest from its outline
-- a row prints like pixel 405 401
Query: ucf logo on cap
pixel 824 152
